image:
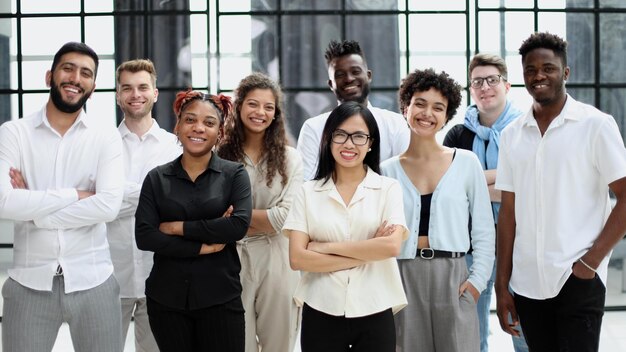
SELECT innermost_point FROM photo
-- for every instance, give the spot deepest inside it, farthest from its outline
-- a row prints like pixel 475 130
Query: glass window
pixel 50 6
pixel 45 35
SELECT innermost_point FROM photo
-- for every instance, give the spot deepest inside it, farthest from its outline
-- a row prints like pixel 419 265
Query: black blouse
pixel 180 277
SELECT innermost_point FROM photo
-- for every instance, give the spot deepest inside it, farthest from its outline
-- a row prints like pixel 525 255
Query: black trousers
pixel 219 328
pixel 569 322
pixel 329 333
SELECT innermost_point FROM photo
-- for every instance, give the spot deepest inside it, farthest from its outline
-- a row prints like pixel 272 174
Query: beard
pixel 138 114
pixel 361 99
pixel 62 105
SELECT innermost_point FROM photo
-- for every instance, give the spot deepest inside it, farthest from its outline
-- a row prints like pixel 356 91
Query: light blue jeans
pixel 483 305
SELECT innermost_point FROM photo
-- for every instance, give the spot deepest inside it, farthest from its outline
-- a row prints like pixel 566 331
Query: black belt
pixel 429 253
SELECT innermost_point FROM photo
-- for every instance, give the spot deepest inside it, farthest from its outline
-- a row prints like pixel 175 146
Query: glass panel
pixel 448 5
pixel 612 3
pixel 50 6
pixel 232 70
pixel 34 74
pixel 98 5
pixel 302 105
pixel 489 33
pixel 234 5
pixel 199 72
pixel 310 5
pixel 450 40
pixel 38 41
pixel 365 5
pixel 613 101
pixel 5 112
pixel 580 3
pixel 198 34
pixel 198 5
pixel 264 48
pixel 518 26
pixel 585 95
pixel 581 47
pixel 514 66
pixel 33 102
pixel 612 49
pixel 235 34
pixel 513 4
pixel 552 4
pixel 454 65
pixel 7 6
pixel 553 22
pixel 103 104
pixel 385 100
pixel 303 63
pixel 106 74
pixel 520 98
pixel 378 37
pixel 99 36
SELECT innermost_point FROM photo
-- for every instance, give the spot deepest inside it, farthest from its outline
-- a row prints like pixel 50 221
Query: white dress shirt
pixel 53 227
pixel 561 191
pixel 320 212
pixel 394 137
pixel 141 154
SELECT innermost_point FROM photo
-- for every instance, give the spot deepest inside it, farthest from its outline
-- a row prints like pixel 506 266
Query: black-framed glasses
pixel 492 81
pixel 358 138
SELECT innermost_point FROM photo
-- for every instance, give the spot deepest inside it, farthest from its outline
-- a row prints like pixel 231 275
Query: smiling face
pixel 349 78
pixel 426 114
pixel 348 155
pixel 489 99
pixel 198 128
pixel 72 82
pixel 136 94
pixel 257 111
pixel 544 76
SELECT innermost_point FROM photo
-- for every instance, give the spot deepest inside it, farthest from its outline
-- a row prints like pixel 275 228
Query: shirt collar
pixel 42 119
pixel 372 180
pixel 155 131
pixel 175 167
pixel 568 112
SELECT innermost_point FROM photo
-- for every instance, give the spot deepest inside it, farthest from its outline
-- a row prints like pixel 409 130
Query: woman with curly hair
pixel 443 189
pixel 255 136
pixel 191 212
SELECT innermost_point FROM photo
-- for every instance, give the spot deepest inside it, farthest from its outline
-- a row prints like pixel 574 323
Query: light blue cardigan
pixel 461 192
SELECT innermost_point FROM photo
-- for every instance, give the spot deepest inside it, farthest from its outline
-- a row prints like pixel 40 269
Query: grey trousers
pixel 272 317
pixel 31 318
pixel 436 318
pixel 144 340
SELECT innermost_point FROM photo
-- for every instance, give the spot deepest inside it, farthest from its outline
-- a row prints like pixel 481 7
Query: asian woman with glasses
pixel 345 228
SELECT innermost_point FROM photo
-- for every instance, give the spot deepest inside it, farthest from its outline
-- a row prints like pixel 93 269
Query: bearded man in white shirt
pixel 145 146
pixel 349 78
pixel 61 180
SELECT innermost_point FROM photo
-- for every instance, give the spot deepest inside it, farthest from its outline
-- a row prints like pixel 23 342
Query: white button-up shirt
pixel 320 212
pixel 141 154
pixel 561 191
pixel 394 137
pixel 53 227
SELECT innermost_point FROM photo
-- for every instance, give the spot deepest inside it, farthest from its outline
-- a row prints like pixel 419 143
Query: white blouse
pixel 320 212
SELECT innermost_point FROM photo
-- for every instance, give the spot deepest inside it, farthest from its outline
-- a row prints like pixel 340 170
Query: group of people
pixel 370 235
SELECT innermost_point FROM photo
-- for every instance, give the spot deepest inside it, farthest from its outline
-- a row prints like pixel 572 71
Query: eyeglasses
pixel 492 81
pixel 358 138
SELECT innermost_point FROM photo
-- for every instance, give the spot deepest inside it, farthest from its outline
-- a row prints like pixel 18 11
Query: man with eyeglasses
pixel 349 78
pixel 480 133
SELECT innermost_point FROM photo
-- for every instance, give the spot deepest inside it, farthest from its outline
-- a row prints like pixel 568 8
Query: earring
pixel 369 150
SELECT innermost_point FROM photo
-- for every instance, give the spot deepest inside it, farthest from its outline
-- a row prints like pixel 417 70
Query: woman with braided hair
pixel 191 212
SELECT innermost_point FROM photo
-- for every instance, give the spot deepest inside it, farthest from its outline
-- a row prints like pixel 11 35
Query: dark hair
pixel 326 162
pixel 488 60
pixel 75 47
pixel 423 80
pixel 545 40
pixel 274 139
pixel 337 49
pixel 221 102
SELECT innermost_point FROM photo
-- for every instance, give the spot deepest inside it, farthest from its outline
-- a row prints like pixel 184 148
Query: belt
pixel 429 253
pixel 59 271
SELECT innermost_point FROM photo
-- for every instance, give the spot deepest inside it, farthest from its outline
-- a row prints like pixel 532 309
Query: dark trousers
pixel 329 333
pixel 569 322
pixel 219 328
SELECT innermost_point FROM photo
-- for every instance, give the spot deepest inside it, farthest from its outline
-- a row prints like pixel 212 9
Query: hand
pixel 17 180
pixel 506 307
pixel 468 286
pixel 384 229
pixel 211 248
pixel 582 272
pixel 84 194
pixel 174 228
pixel 228 212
